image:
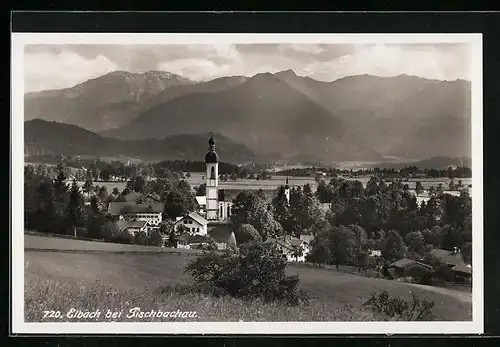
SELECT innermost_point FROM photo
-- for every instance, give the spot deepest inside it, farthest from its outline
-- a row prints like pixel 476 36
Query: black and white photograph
pixel 240 184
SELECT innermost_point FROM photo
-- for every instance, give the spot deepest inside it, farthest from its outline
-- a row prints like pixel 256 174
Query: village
pixel 209 225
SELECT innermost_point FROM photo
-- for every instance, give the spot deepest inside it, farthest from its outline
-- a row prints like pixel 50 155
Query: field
pixel 108 278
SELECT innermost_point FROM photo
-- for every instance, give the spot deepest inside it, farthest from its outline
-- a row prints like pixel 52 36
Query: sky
pixel 58 66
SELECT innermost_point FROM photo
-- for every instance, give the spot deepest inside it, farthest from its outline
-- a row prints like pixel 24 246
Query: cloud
pixel 55 70
pixel 59 66
pixel 392 60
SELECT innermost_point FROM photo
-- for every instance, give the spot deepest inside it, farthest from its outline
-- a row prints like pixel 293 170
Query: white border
pixel 19 40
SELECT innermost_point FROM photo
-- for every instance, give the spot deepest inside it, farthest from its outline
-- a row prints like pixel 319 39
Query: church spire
pixel 211 156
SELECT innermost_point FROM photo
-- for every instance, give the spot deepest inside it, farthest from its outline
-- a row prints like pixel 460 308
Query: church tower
pixel 287 192
pixel 212 180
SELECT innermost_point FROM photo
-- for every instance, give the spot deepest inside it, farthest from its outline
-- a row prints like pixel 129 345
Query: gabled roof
pixel 124 224
pixel 294 242
pixel 194 216
pixel 153 196
pixel 402 263
pixel 307 238
pixel 462 268
pixel 117 208
pixel 132 196
pixel 201 200
pixel 447 257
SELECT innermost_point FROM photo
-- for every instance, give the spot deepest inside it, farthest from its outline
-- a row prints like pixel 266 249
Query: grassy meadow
pixel 109 278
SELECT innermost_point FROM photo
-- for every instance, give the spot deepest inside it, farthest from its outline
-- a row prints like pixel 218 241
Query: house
pixel 189 241
pixel 140 198
pixel 132 227
pixel 132 197
pixel 150 213
pixel 374 253
pixel 453 259
pixel 325 207
pixel 201 202
pixel 401 267
pixel 195 224
pixel 292 249
pixel 150 198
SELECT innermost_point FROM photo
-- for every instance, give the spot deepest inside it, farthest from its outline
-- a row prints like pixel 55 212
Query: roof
pixel 211 157
pixel 192 238
pixel 124 224
pixel 152 195
pixel 201 200
pixel 117 208
pixel 294 242
pixel 194 216
pixel 285 245
pixel 402 263
pixel 447 256
pixel 133 196
pixel 307 238
pixel 462 268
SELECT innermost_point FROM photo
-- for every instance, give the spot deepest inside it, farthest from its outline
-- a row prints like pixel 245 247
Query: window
pixel 221 210
pixel 228 210
pixel 212 173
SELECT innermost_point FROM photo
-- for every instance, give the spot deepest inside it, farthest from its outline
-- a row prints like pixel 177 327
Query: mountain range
pixel 71 140
pixel 276 117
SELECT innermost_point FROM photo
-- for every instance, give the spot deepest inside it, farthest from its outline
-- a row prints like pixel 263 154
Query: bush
pixel 156 239
pixel 396 307
pixel 258 271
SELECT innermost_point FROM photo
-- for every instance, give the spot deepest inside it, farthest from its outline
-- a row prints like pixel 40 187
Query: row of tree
pixel 382 216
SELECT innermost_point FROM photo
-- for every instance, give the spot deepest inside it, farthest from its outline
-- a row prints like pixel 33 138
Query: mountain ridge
pixel 359 117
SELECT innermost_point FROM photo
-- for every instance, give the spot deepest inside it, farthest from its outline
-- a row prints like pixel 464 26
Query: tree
pixel 247 233
pixel 263 220
pixel 115 191
pixel 281 210
pixel 45 218
pixel 467 252
pixel 178 203
pixel 136 184
pixel 432 236
pixel 201 190
pixel 415 242
pixel 156 239
pixel 75 214
pixel 168 231
pixel 419 189
pixel 94 205
pixel 394 247
pixel 87 188
pixel 257 271
pixel 103 194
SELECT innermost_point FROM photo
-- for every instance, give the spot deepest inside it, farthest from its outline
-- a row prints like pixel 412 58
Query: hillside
pixel 72 140
pixel 105 102
pixel 264 112
pixel 281 117
pixel 112 264
pixel 402 116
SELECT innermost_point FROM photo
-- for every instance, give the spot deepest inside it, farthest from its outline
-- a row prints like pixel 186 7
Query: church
pixel 217 203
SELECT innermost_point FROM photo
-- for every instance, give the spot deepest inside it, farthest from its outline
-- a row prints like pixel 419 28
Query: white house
pixel 132 227
pixel 149 213
pixel 194 223
pixel 201 201
pixel 293 249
